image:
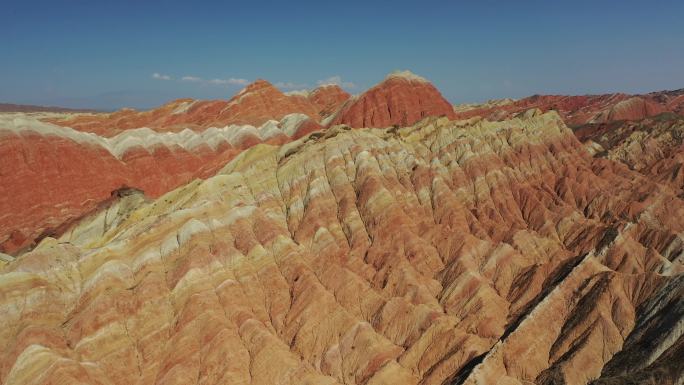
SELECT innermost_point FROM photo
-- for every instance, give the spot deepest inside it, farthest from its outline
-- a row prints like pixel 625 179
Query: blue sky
pixel 104 54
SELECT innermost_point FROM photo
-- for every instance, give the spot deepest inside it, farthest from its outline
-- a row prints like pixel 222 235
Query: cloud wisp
pixel 291 85
pixel 337 80
pixel 230 81
pixel 159 76
pixel 196 79
pixel 288 86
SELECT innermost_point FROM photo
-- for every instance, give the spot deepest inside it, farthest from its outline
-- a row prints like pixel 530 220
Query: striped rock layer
pixel 52 175
pixel 254 105
pixel 654 146
pixel 402 98
pixel 582 109
pixel 58 168
pixel 448 252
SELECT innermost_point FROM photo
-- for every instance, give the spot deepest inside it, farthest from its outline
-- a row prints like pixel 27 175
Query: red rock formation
pixel 328 99
pixel 447 252
pixel 672 100
pixel 70 178
pixel 306 127
pixel 579 110
pixel 401 99
pixel 53 180
pixel 259 102
pixel 254 105
pixel 124 119
pixel 652 146
pixel 634 108
pixel 53 176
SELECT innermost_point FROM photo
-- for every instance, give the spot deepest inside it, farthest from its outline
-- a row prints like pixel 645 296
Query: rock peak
pixel 402 99
pixel 257 85
pixel 328 98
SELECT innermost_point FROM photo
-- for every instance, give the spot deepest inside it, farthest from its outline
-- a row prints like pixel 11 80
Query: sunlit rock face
pixel 446 252
pixel 401 99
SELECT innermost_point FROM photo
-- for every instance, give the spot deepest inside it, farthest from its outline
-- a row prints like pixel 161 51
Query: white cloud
pixel 191 79
pixel 159 76
pixel 197 79
pixel 242 82
pixel 336 79
pixel 230 81
pixel 291 85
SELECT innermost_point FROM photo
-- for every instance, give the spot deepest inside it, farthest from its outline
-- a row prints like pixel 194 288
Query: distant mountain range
pixel 9 107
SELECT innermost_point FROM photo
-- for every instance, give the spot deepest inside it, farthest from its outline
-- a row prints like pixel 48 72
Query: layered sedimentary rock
pixel 651 146
pixel 473 109
pixel 53 174
pixel 585 109
pixel 254 105
pixel 328 99
pixel 652 353
pixel 448 252
pixel 672 100
pixel 70 172
pixel 401 99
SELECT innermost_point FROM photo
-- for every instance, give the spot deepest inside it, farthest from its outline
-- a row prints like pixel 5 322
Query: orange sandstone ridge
pixel 444 252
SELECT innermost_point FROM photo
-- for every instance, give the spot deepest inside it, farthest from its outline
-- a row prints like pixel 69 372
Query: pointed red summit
pixel 328 98
pixel 403 98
